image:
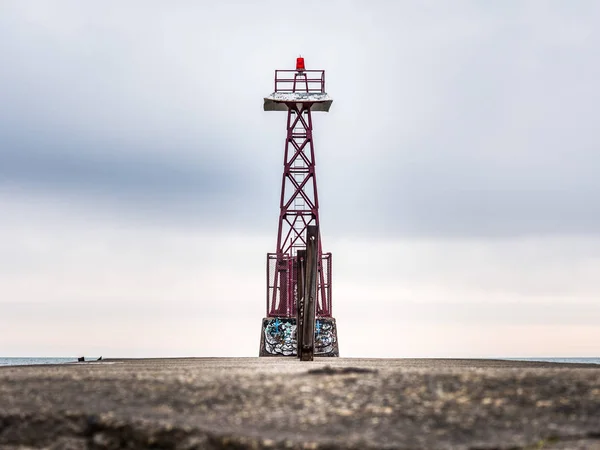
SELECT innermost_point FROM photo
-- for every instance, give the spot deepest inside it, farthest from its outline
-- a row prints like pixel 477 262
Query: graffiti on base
pixel 325 336
pixel 280 337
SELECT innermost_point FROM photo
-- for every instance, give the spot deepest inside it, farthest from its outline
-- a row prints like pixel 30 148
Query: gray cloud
pixel 115 175
pixel 193 191
pixel 465 120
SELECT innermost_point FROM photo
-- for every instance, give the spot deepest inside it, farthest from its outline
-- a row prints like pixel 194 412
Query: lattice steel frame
pixel 299 202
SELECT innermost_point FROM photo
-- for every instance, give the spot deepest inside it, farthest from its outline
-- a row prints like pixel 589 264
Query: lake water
pixel 560 360
pixel 31 361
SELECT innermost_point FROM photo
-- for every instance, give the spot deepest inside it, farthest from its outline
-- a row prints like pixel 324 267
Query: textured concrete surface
pixel 241 403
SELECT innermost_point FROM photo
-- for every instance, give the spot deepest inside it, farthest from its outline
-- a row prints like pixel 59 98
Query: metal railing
pixel 282 281
pixel 312 81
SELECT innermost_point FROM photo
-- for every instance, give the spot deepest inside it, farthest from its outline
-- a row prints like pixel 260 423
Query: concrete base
pixel 278 337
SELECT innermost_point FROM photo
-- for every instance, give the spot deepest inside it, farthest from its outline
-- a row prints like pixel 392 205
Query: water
pixel 30 361
pixel 559 360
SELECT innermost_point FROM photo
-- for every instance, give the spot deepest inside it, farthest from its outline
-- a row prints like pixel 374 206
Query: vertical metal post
pixel 282 273
pixel 300 274
pixel 310 293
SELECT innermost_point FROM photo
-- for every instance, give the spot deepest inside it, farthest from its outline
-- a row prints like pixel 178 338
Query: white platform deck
pixel 277 100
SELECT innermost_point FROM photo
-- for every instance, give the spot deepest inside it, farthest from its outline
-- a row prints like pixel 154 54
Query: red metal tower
pixel 299 92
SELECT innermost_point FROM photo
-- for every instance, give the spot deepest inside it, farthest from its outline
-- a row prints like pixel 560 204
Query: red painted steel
pixel 299 202
pixel 286 81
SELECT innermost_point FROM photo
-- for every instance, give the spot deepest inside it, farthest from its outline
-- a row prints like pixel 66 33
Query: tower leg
pixel 301 271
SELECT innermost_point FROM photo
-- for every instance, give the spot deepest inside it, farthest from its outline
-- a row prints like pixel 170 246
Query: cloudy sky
pixel 139 176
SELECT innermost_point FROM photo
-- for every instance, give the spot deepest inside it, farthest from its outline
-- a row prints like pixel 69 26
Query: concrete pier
pixel 331 403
